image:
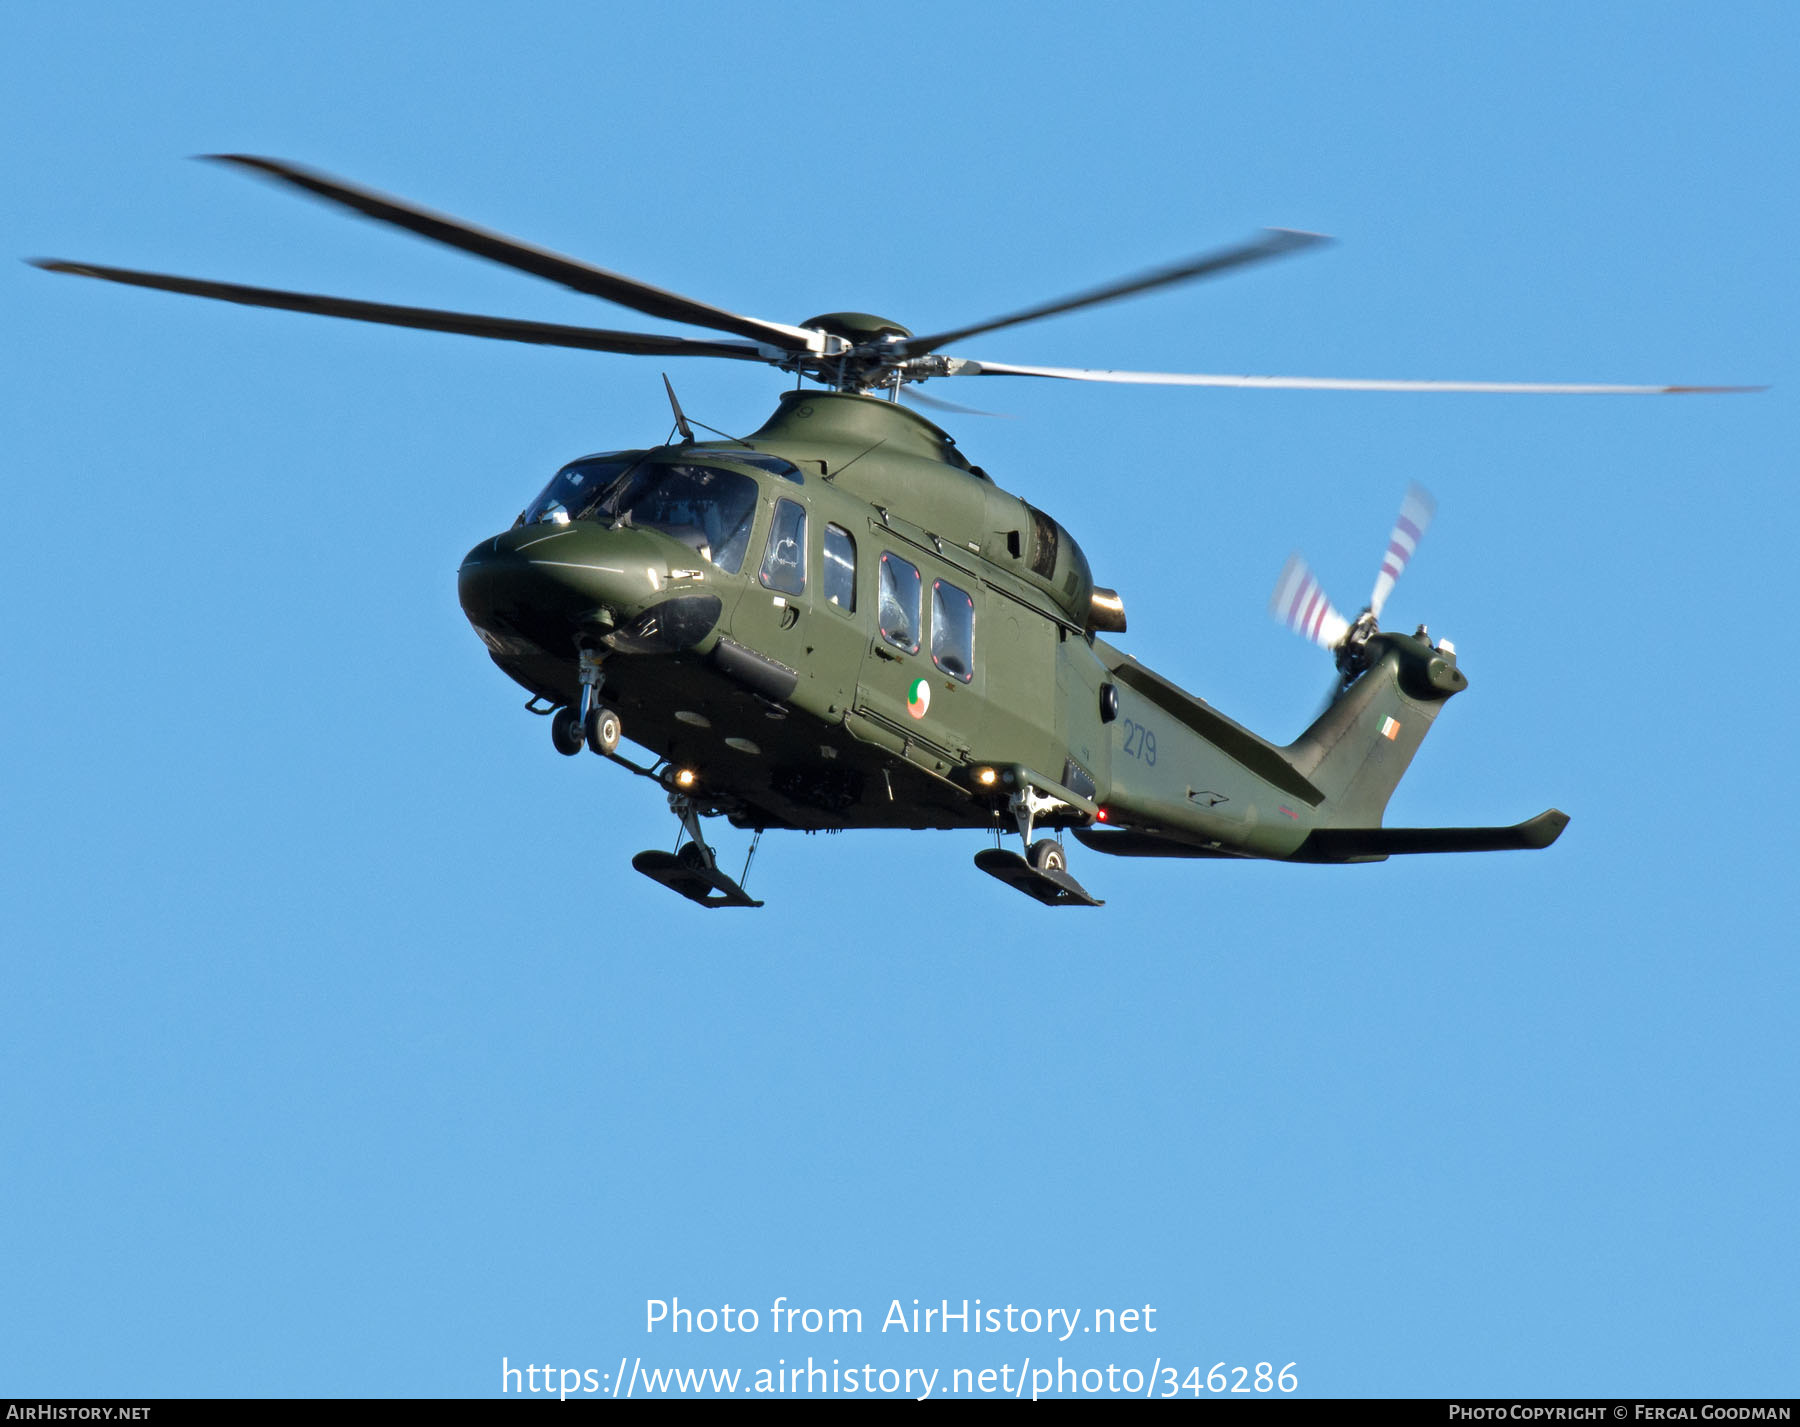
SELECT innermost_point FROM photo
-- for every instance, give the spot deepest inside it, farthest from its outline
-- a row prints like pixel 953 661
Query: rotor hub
pixel 858 328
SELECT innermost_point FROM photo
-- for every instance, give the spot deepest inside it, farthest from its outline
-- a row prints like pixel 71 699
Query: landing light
pixel 985 777
pixel 686 778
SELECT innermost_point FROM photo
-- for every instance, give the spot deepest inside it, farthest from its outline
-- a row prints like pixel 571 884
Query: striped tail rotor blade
pixel 1299 603
pixel 1415 517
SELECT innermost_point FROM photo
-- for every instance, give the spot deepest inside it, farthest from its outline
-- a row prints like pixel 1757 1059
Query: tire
pixel 691 856
pixel 565 732
pixel 1047 855
pixel 603 730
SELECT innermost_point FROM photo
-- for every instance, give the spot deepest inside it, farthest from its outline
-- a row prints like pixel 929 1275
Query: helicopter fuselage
pixel 768 621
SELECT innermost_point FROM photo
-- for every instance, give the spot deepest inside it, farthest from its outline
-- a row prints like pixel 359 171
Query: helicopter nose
pixel 542 583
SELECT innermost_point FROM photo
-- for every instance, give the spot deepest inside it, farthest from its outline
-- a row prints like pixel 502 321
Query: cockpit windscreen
pixel 577 487
pixel 706 507
pixel 702 506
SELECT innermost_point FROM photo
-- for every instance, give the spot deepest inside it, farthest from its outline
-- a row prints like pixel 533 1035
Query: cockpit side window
pixel 784 562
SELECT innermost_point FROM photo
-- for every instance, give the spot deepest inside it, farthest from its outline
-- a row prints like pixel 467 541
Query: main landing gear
pixel 693 868
pixel 591 724
pixel 1044 870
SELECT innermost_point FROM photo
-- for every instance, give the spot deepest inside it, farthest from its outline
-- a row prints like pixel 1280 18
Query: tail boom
pixel 1220 791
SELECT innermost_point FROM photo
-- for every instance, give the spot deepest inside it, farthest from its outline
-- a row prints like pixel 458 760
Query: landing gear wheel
pixel 565 732
pixel 602 729
pixel 1047 855
pixel 692 855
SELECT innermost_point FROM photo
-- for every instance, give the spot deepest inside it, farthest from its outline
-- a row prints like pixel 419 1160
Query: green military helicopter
pixel 838 621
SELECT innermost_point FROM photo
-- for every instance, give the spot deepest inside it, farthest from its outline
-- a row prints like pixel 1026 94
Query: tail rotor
pixel 1301 604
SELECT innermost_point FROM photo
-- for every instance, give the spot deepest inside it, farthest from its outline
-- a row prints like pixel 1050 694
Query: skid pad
pixel 709 889
pixel 1053 889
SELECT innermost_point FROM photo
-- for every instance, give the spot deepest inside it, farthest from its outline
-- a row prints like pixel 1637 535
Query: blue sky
pixel 347 1055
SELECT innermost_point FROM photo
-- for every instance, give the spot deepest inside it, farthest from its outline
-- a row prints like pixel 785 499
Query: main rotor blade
pixel 1410 526
pixel 596 282
pixel 964 367
pixel 546 334
pixel 1273 243
pixel 938 403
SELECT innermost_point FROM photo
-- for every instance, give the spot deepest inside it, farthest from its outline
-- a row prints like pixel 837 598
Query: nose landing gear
pixel 591 722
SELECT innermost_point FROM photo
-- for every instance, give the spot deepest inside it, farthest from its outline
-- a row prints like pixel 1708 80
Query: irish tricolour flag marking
pixel 918 698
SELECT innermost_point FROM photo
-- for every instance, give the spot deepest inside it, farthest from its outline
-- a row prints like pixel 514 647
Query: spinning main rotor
pixel 851 352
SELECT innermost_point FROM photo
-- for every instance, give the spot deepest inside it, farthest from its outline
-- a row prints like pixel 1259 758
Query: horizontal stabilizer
pixel 1348 844
pixel 1353 844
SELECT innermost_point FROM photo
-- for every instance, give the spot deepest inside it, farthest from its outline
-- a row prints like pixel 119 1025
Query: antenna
pixel 681 421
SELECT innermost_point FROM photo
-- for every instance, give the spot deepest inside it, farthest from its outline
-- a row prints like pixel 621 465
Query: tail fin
pixel 1357 750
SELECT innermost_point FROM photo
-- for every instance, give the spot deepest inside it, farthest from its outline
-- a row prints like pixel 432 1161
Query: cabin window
pixel 784 562
pixel 899 603
pixel 840 568
pixel 952 631
pixel 1043 543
